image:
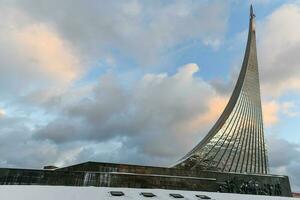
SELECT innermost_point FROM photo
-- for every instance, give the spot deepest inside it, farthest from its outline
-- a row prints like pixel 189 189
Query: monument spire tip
pixel 252 15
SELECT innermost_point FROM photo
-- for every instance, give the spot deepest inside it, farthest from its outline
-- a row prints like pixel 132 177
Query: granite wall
pixel 135 176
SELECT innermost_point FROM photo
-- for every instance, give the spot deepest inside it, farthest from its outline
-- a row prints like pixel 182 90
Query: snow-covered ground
pixel 14 192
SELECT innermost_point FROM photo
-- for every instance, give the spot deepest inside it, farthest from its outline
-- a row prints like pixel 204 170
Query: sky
pixel 140 82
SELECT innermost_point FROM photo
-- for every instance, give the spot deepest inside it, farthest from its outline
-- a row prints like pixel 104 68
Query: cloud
pixel 48 51
pixel 2 112
pixel 277 145
pixel 145 31
pixel 270 112
pixel 16 146
pixel 273 110
pixel 33 56
pixel 290 109
pixel 160 108
pixel 45 51
pixel 287 164
pixel 279 42
pixel 215 107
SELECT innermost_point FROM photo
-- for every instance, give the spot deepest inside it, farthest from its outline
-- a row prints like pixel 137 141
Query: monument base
pixel 136 176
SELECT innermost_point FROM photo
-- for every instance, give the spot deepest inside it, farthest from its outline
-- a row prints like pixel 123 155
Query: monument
pixel 236 142
pixel 231 158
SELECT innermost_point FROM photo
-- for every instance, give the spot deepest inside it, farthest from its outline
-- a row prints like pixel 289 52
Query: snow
pixel 30 192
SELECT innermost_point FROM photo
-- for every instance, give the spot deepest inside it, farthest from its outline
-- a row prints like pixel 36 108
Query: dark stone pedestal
pixel 135 176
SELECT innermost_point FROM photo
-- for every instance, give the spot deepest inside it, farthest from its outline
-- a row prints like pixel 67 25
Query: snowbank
pixel 19 192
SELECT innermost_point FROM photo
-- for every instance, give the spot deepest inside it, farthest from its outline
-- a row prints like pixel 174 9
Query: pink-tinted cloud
pixel 48 52
pixel 2 112
pixel 270 112
pixel 33 55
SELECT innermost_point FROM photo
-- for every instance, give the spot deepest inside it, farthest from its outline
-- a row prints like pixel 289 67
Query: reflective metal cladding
pixel 236 142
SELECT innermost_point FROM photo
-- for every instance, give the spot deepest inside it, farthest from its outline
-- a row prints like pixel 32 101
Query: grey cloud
pixel 17 147
pixel 284 159
pixel 294 175
pixel 88 32
pixel 155 112
pixel 279 44
pixel 141 29
pixel 26 65
pixel 224 87
pixel 282 152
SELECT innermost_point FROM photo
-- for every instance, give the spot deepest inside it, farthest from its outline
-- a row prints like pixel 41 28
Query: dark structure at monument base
pixel 135 176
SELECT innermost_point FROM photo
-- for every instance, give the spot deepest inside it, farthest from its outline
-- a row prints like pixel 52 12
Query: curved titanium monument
pixel 236 142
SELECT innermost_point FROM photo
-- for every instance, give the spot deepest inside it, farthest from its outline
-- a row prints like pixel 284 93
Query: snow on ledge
pixel 31 192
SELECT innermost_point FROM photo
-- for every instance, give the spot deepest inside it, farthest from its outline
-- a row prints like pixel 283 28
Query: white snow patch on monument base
pixel 29 192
